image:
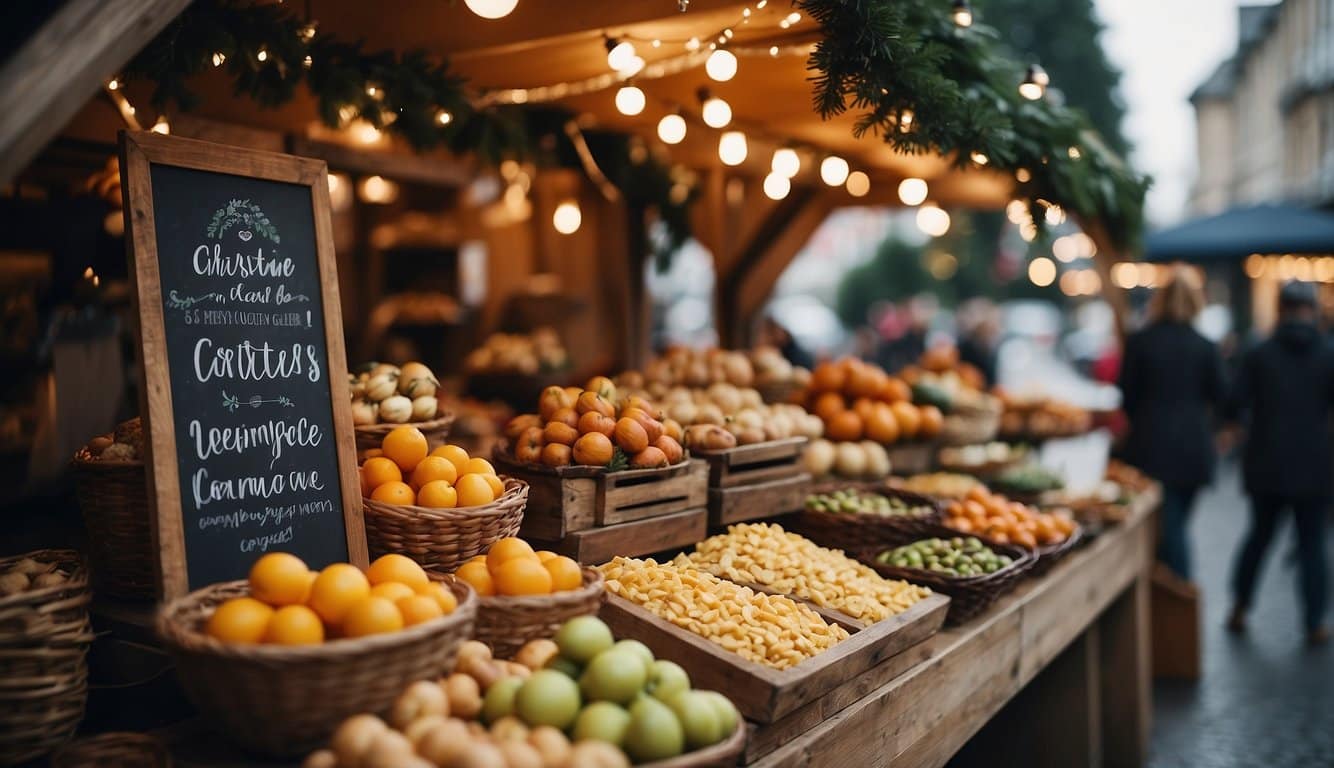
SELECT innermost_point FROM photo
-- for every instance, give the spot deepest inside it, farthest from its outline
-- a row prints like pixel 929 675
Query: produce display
pixel 390 394
pixel 289 604
pixel 865 459
pixel 511 568
pixel 859 400
pixel 690 367
pixel 855 502
pixel 973 458
pixel 940 485
pixel 527 354
pixel 956 557
pixel 405 472
pixel 1042 418
pixel 766 555
pixel 580 700
pixel 771 630
pixel 1002 521
pixel 738 411
pixel 772 369
pixel 125 443
pixel 27 574
pixel 593 427
pixel 1028 479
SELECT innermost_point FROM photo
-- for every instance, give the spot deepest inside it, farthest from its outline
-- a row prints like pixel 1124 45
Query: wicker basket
pixel 1050 555
pixel 852 532
pixel 37 720
pixel 436 430
pixel 113 497
pixel 506 623
pixel 968 596
pixel 443 539
pixel 114 750
pixel 724 754
pixel 286 700
pixel 971 426
pixel 36 617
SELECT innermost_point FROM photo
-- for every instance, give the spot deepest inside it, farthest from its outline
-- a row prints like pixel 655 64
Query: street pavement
pixel 1264 699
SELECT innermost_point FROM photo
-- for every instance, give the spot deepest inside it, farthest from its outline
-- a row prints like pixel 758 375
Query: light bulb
pixel 963 15
pixel 443 117
pixel 721 65
pixel 672 129
pixel 630 100
pixel 1042 271
pixel 776 186
pixel 633 68
pixel 732 148
pixel 219 58
pixel 858 184
pixel 912 191
pixel 1035 83
pixel 620 54
pixel 933 220
pixel 1017 211
pixel 378 189
pixel 161 126
pixel 786 162
pixel 834 170
pixel 491 9
pixel 980 158
pixel 716 112
pixel 567 218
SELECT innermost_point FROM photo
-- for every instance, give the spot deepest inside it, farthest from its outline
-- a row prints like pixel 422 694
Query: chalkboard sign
pixel 245 401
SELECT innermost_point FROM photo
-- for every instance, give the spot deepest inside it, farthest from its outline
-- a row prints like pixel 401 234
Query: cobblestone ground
pixel 1265 699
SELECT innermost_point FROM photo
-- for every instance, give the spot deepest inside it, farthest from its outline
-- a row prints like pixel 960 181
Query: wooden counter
pixel 1070 650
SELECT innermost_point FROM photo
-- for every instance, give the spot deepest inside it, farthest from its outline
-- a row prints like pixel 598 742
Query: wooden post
pixel 1125 661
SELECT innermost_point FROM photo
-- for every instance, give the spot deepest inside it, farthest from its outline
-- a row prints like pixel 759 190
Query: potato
pixel 536 653
pixel 520 754
pixel 52 579
pixel 444 743
pixel 354 737
pixel 387 749
pixel 819 457
pixel 423 725
pixel 13 583
pixel 470 651
pixel 509 728
pixel 486 673
pixel 418 700
pixel 551 746
pixel 320 758
pixel 850 460
pixel 465 695
pixel 513 669
pixel 480 754
pixel 596 754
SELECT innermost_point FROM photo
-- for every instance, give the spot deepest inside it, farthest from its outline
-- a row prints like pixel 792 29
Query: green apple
pixel 582 638
pixel 639 648
pixel 547 698
pixel 700 718
pixel 602 721
pixel 654 732
pixel 616 675
pixel 728 717
pixel 499 700
pixel 667 679
pixel 565 667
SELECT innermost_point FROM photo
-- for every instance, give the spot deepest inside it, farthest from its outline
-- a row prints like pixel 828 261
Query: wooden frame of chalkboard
pixel 142 154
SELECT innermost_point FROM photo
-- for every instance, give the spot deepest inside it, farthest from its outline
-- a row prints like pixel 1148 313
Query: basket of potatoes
pixel 386 396
pixel 111 486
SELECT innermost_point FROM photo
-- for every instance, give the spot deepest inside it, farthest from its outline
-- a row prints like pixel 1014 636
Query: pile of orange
pixel 1002 521
pixel 511 568
pixel 403 471
pixel 857 400
pixel 290 604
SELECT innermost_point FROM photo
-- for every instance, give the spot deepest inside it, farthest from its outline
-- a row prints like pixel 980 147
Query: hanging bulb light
pixel 834 170
pixel 786 162
pixel 1035 83
pixel 721 65
pixel 715 112
pixel 630 100
pixel 672 128
pixel 776 186
pixel 912 191
pixel 491 9
pixel 620 53
pixel 963 14
pixel 567 217
pixel 732 148
pixel 858 184
pixel 933 220
pixel 161 126
pixel 1042 271
pixel 219 58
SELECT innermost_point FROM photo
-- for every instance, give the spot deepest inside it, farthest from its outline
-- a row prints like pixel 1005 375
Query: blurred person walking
pixel 979 336
pixel 1171 386
pixel 1284 392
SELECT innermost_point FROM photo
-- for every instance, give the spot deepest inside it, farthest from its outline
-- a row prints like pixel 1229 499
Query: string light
pixel 933 220
pixel 858 184
pixel 443 117
pixel 378 189
pixel 567 217
pixel 776 186
pixel 1126 276
pixel 1023 176
pixel 732 148
pixel 1074 153
pixel 262 55
pixel 113 84
pixel 786 162
pixel 721 65
pixel 1054 215
pixel 672 128
pixel 979 158
pixel 307 62
pixel 630 100
pixel 491 9
pixel 1017 211
pixel 1035 83
pixel 715 112
pixel 773 51
pixel 219 58
pixel 834 171
pixel 912 191
pixel 692 44
pixel 620 54
pixel 1042 271
pixel 161 126
pixel 963 14
pixel 307 32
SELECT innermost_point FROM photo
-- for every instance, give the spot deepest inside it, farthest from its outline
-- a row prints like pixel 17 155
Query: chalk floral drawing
pixel 232 402
pixel 248 216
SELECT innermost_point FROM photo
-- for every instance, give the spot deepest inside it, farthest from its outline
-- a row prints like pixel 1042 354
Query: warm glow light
pixel 1065 249
pixel 859 184
pixel 1016 211
pixel 721 65
pixel 630 100
pixel 834 170
pixel 732 148
pixel 912 191
pixel 620 54
pixel 1324 269
pixel 340 192
pixel 716 112
pixel 933 220
pixel 1054 215
pixel 1028 231
pixel 776 186
pixel 980 158
pixel 378 189
pixel 1074 153
pixel 1035 83
pixel 672 129
pixel 1023 176
pixel 263 55
pixel 786 162
pixel 1125 275
pixel 161 126
pixel 1042 271
pixel 443 117
pixel 219 58
pixel 1255 266
pixel 491 9
pixel 567 217
pixel 963 15
pixel 364 132
pixel 1030 91
pixel 1070 284
pixel 1147 274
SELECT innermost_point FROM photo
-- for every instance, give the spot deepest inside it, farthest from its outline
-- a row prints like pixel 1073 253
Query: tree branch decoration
pixel 242 212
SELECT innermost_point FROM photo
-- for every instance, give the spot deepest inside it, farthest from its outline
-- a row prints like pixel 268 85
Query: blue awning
pixel 1237 233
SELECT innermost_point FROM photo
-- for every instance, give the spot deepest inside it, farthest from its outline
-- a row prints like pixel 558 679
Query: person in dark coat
pixel 1284 392
pixel 1171 385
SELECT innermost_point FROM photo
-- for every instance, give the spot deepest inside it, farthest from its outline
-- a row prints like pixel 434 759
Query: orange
pixel 473 491
pixel 378 471
pixel 295 625
pixel 478 558
pixel 371 453
pixel 279 579
pixel 406 446
pixel 522 576
pixel 456 456
pixel 565 574
pixel 418 608
pixel 477 466
pixel 478 577
pixel 442 595
pixel 396 492
pixel 497 485
pixel 507 549
pixel 544 555
pixel 372 616
pixel 392 591
pixel 433 468
pixel 400 568
pixel 336 589
pixel 438 494
pixel 239 620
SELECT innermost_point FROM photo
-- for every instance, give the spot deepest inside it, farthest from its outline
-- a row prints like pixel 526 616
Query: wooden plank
pixel 641 537
pixel 556 506
pixel 64 63
pixel 636 495
pixel 751 502
pixel 764 694
pixel 1126 669
pixel 433 169
pixel 744 455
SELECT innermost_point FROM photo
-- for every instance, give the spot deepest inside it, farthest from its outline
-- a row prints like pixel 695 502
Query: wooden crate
pixel 753 481
pixel 764 694
pixel 594 546
pixel 562 501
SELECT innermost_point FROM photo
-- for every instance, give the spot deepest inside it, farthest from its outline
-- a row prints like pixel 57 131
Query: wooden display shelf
pixel 753 481
pixel 594 546
pixel 764 694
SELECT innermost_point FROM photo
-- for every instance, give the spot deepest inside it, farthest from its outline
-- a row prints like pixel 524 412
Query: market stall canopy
pixel 1239 232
